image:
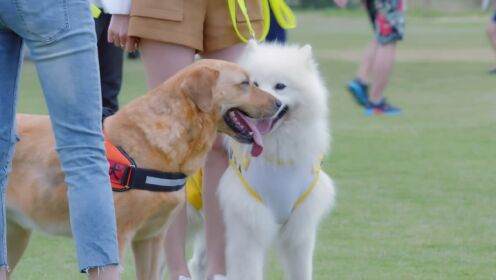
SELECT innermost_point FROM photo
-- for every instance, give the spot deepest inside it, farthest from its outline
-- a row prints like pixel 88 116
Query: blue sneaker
pixel 359 91
pixel 383 108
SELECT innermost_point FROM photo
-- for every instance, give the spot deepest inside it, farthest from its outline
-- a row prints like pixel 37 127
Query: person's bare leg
pixel 381 70
pixel 365 67
pixel 491 34
pixel 230 54
pixel 215 166
pixel 3 273
pixel 104 273
pixel 162 60
pixel 175 245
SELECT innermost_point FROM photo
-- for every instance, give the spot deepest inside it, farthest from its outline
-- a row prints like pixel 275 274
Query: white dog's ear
pixel 307 51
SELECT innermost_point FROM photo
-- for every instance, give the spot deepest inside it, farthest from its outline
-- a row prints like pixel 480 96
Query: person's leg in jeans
pixel 110 60
pixel 63 45
pixel 10 65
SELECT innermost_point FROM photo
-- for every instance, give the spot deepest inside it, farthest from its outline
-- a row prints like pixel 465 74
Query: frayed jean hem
pixel 101 267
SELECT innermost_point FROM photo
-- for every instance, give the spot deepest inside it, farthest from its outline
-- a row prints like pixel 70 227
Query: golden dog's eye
pixel 245 83
pixel 256 84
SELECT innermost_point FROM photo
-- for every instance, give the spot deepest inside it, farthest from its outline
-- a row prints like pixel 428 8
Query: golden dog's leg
pixel 149 257
pixel 17 242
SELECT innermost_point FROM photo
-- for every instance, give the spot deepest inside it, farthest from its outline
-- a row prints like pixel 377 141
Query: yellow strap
pixel 194 190
pixel 283 14
pixel 245 183
pixel 309 190
pixel 242 7
pixel 95 11
pixel 259 198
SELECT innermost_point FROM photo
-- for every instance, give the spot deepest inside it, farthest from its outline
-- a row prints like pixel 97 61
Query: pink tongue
pixel 258 127
pixel 264 126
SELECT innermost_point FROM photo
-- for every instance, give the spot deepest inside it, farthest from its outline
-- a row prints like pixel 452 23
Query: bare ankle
pixel 110 272
pixel 3 272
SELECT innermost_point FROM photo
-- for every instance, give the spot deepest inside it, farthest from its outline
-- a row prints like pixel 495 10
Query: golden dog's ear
pixel 198 86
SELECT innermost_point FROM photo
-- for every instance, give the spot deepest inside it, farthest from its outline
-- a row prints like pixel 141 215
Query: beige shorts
pixel 204 25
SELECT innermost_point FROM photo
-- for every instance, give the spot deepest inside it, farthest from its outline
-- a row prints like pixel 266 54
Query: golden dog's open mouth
pixel 249 130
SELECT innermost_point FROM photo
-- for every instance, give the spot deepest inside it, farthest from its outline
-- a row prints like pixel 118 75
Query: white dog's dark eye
pixel 280 86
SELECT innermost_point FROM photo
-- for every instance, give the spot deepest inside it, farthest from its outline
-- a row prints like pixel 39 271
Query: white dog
pixel 274 192
pixel 279 197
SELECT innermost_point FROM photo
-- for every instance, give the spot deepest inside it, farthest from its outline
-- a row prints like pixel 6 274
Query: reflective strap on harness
pixel 157 181
pixel 125 174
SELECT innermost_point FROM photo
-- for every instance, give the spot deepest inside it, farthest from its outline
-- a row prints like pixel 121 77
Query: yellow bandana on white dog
pixel 281 186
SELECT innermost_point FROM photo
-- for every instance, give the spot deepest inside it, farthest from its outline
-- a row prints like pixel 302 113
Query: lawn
pixel 416 193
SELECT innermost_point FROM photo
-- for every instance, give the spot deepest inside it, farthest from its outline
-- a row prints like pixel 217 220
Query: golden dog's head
pixel 243 111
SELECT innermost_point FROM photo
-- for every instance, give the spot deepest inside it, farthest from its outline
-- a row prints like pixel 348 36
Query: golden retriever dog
pixel 170 129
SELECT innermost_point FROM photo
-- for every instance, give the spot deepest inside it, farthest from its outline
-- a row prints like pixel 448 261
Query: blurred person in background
pixel 491 32
pixel 388 22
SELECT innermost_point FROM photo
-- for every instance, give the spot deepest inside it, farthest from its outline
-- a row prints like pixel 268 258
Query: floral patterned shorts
pixel 388 19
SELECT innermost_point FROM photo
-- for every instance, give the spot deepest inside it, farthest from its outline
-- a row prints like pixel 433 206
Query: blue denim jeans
pixel 60 35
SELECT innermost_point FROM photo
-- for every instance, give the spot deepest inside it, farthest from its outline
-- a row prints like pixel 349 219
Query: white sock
pixel 219 277
pixel 183 278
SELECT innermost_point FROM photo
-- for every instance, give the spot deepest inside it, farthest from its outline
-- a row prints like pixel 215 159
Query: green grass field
pixel 416 194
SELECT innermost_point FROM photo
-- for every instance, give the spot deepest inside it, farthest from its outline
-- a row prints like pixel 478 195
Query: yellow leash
pixel 283 14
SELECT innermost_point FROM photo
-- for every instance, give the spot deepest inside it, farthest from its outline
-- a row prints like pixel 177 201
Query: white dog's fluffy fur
pixel 301 136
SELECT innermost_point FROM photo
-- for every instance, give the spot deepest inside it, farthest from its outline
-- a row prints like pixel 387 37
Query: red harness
pixel 125 174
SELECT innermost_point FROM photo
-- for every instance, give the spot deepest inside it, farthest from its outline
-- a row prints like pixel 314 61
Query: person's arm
pixel 341 3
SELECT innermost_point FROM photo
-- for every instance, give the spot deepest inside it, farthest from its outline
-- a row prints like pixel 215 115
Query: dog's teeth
pixel 250 133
